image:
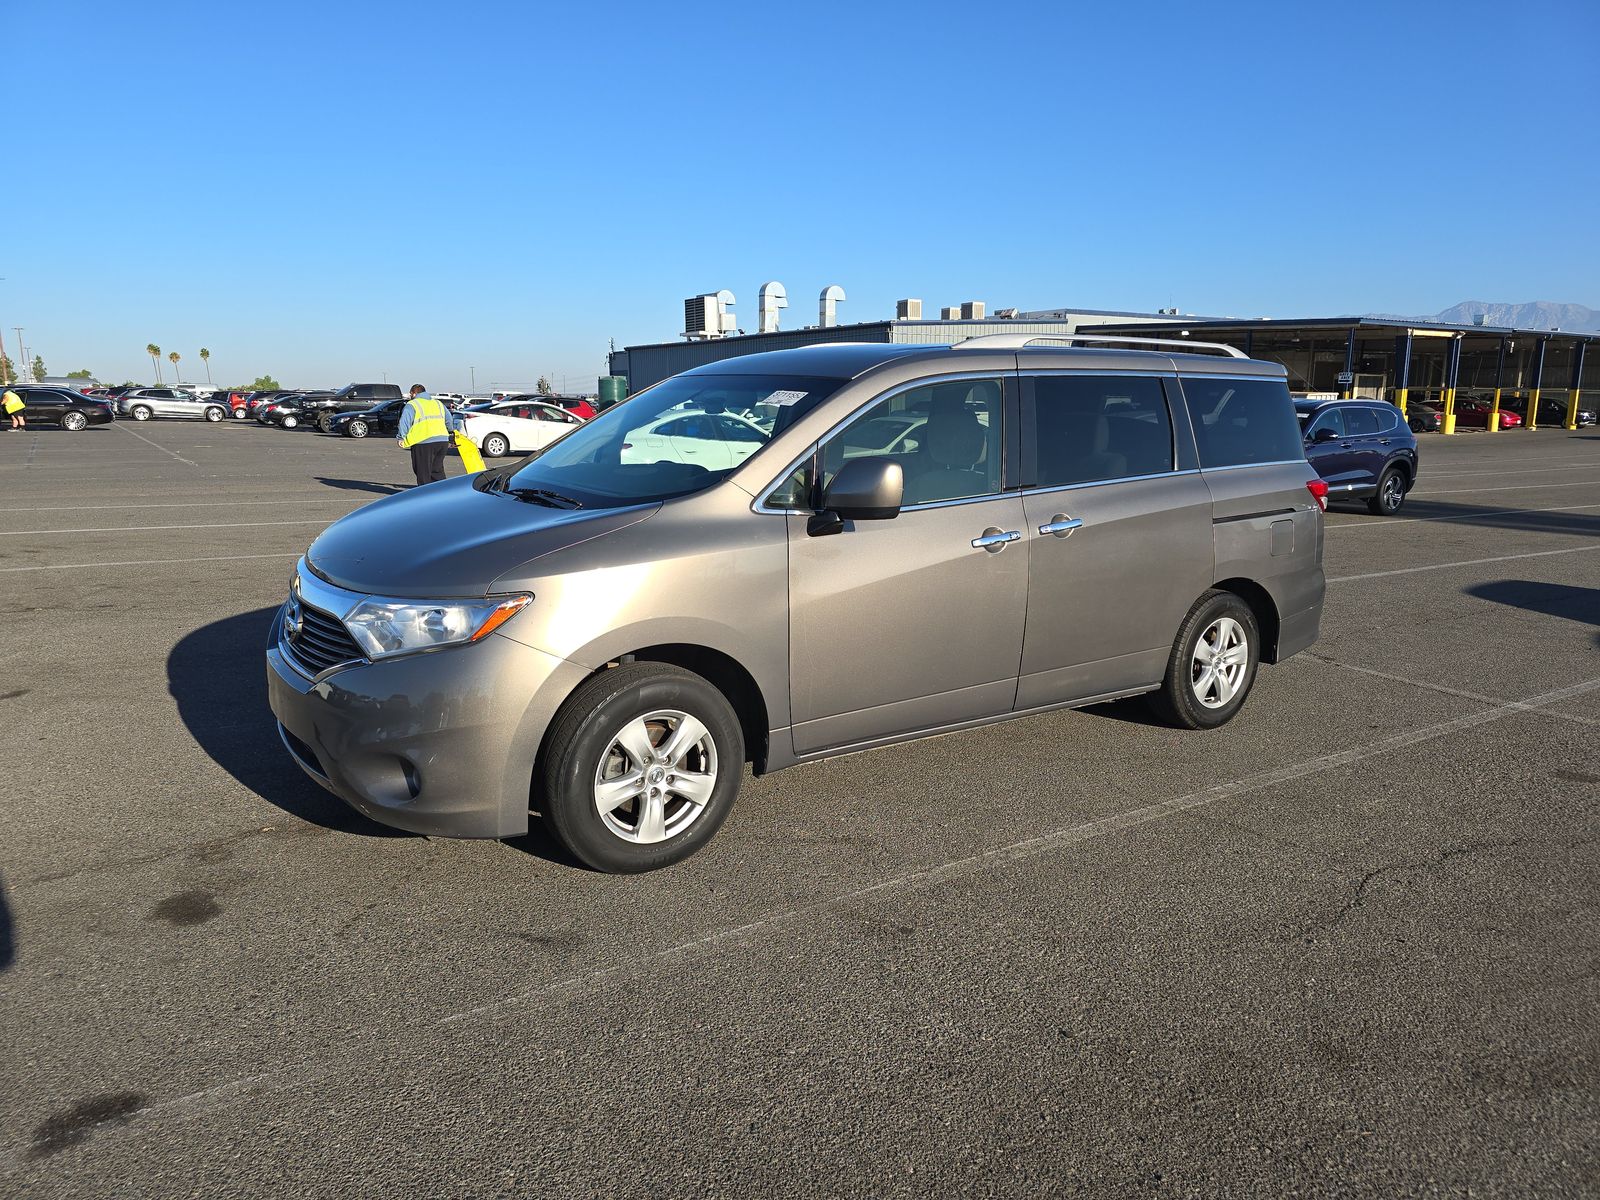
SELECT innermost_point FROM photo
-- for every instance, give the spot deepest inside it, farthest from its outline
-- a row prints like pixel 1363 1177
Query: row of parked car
pixel 1472 412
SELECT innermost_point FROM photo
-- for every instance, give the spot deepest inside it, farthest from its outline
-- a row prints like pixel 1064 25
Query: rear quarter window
pixel 1242 421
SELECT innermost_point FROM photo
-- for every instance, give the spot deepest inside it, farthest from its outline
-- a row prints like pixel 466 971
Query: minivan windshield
pixel 678 437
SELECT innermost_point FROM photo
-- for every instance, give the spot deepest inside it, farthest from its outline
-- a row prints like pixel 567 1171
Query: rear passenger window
pixel 1087 428
pixel 1242 421
pixel 1360 422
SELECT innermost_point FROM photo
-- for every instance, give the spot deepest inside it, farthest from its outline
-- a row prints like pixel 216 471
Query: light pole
pixel 474 387
pixel 22 363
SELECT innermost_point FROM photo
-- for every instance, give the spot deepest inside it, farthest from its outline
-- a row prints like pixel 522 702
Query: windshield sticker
pixel 784 399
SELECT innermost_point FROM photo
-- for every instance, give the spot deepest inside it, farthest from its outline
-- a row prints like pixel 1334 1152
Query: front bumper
pixel 440 743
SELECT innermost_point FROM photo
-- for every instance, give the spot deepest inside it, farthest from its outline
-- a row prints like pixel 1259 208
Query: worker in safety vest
pixel 14 408
pixel 425 425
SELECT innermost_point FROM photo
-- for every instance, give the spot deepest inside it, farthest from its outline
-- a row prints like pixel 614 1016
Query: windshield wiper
pixel 542 496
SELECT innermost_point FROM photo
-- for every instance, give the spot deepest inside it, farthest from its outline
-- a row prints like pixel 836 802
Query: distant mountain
pixel 1536 314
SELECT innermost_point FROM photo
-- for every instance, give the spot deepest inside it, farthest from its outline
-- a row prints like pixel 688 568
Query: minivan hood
pixel 448 539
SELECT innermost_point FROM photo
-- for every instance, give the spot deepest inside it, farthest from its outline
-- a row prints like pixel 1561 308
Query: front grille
pixel 321 642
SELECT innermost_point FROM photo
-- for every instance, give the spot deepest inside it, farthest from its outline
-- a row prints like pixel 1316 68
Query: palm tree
pixel 173 359
pixel 205 357
pixel 154 351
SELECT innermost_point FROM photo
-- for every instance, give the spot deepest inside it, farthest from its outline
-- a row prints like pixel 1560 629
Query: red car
pixel 1474 414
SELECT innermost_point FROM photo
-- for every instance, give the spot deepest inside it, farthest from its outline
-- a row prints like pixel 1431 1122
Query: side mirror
pixel 865 489
pixel 1323 435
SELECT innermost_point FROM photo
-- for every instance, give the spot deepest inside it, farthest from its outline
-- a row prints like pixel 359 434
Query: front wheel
pixel 291 422
pixel 1390 496
pixel 356 429
pixel 142 412
pixel 642 766
pixel 1213 664
pixel 74 421
pixel 325 423
pixel 239 414
pixel 496 445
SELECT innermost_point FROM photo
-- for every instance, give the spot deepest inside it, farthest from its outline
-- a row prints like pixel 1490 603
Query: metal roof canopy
pixel 1210 326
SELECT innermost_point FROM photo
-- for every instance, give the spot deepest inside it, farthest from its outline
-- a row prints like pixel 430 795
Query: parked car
pixel 60 406
pixel 142 404
pixel 515 426
pixel 1554 412
pixel 259 400
pixel 380 419
pixel 353 397
pixel 1424 418
pixel 1474 414
pixel 612 641
pixel 292 412
pixel 1363 450
pixel 578 406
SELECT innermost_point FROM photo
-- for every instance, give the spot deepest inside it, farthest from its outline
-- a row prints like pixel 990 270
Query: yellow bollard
pixel 1449 411
pixel 1494 413
pixel 1572 409
pixel 1532 419
pixel 1400 400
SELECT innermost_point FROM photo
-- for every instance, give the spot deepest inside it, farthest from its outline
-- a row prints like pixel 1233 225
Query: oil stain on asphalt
pixel 63 1129
pixel 187 908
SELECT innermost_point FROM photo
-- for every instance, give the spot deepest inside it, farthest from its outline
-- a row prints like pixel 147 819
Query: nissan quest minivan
pixel 786 556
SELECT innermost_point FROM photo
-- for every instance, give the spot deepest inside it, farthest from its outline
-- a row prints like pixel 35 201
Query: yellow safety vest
pixel 429 421
pixel 13 402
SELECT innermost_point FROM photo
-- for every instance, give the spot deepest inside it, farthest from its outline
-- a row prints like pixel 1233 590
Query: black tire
pixel 496 445
pixel 215 414
pixel 585 730
pixel 1176 702
pixel 142 412
pixel 73 421
pixel 1417 425
pixel 325 423
pixel 356 429
pixel 290 422
pixel 1391 493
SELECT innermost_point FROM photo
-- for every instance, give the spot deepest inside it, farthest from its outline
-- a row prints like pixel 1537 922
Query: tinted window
pixel 946 437
pixel 1332 419
pixel 1358 422
pixel 1094 427
pixel 1388 418
pixel 1239 421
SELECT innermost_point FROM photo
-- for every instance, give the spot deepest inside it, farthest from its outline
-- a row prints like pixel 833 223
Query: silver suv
pixel 144 403
pixel 719 571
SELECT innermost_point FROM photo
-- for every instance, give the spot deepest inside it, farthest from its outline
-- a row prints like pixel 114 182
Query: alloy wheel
pixel 656 777
pixel 74 421
pixel 1393 493
pixel 1217 667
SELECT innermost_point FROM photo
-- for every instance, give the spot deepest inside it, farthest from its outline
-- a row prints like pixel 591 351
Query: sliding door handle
pixel 995 540
pixel 1061 525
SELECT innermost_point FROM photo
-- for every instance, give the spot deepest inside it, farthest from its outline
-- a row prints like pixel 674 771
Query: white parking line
pixel 1499 512
pixel 1589 465
pixel 150 528
pixel 1515 487
pixel 149 562
pixel 33 508
pixel 1411 681
pixel 248 1088
pixel 157 445
pixel 1466 562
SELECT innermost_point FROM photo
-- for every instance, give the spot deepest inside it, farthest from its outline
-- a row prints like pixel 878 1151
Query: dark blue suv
pixel 1363 450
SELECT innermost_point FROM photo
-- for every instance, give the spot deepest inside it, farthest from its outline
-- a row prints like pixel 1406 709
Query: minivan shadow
pixel 8 941
pixel 1552 599
pixel 364 485
pixel 217 676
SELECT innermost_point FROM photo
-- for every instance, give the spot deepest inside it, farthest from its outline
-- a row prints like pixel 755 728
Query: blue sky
pixel 332 191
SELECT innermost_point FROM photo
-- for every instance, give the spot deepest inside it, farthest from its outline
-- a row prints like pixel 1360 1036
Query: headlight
pixel 389 627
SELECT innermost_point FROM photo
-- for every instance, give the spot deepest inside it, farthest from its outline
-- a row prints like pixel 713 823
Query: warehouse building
pixel 1540 374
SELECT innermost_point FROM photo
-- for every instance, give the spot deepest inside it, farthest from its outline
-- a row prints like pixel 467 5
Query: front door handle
pixel 995 539
pixel 1344 445
pixel 1061 525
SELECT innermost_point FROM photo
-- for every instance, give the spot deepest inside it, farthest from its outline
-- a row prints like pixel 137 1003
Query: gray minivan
pixel 786 556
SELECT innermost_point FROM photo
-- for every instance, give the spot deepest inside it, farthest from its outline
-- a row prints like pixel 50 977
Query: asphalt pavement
pixel 1346 945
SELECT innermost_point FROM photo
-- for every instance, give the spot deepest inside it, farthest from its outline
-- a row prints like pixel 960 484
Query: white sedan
pixel 715 441
pixel 515 426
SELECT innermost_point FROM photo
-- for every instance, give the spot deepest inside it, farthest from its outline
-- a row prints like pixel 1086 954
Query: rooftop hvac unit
pixel 908 310
pixel 949 314
pixel 702 317
pixel 972 310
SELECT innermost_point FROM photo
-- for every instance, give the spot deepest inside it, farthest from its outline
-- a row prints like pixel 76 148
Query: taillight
pixel 1319 492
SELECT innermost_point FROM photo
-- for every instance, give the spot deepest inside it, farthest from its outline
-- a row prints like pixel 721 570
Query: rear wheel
pixel 496 445
pixel 1391 494
pixel 325 422
pixel 239 413
pixel 291 422
pixel 642 767
pixel 74 421
pixel 141 412
pixel 214 414
pixel 1213 664
pixel 356 429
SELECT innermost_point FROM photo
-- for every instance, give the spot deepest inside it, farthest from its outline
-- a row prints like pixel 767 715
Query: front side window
pixel 1242 421
pixel 946 437
pixel 1330 419
pixel 1090 428
pixel 677 437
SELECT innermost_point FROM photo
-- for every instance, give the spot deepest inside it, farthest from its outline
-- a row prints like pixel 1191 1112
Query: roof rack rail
pixel 1019 341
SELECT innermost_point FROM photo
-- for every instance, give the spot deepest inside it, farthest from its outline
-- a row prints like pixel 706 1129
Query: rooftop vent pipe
pixel 827 305
pixel 771 298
